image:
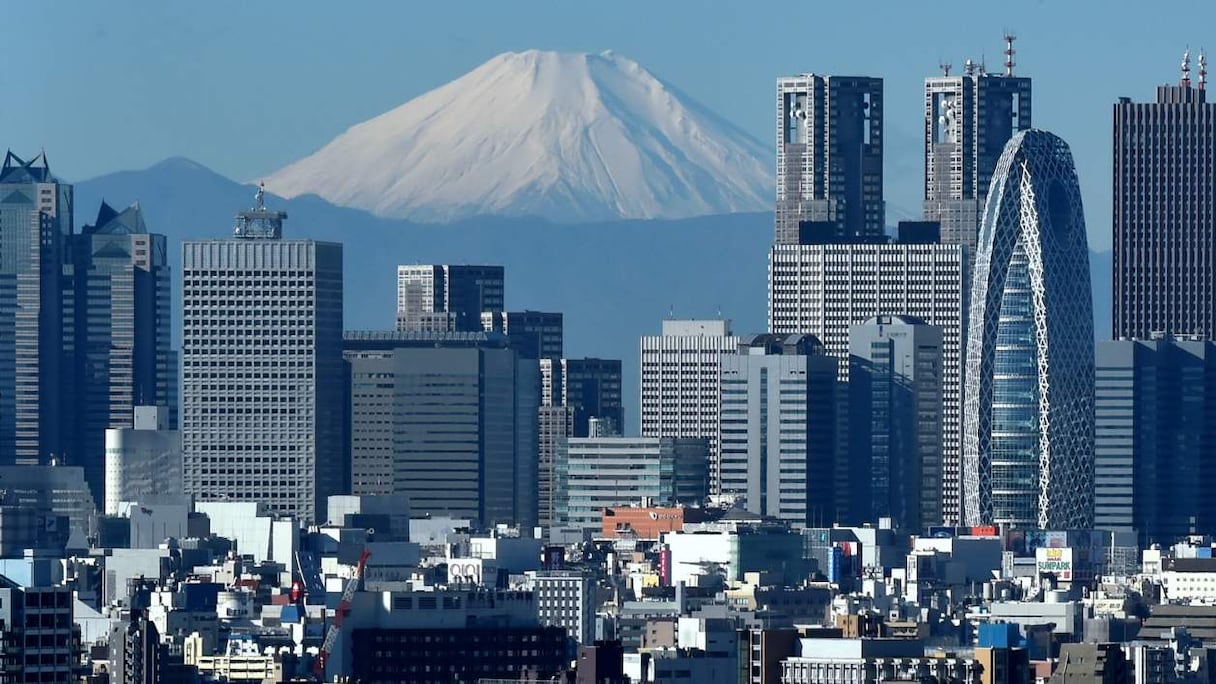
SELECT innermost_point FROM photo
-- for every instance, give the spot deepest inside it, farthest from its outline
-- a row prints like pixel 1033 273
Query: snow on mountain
pixel 566 137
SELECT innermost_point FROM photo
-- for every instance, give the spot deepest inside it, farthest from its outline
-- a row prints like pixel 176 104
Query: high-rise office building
pixel 592 387
pixel 895 421
pixel 447 419
pixel 534 334
pixel 447 297
pixel 35 223
pixel 1028 425
pixel 1164 227
pixel 1155 438
pixel 968 119
pixel 39 641
pixel 262 377
pixel 824 290
pixel 574 392
pixel 594 473
pixel 829 158
pixel 778 428
pixel 681 382
pixel 119 321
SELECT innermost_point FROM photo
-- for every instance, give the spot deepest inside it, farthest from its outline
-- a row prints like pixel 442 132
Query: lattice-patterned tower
pixel 1028 418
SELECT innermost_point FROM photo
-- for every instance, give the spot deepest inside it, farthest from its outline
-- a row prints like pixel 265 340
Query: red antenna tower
pixel 1186 68
pixel 1009 52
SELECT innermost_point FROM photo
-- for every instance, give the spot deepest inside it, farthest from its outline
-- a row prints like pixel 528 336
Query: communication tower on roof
pixel 259 222
pixel 1009 52
pixel 1186 68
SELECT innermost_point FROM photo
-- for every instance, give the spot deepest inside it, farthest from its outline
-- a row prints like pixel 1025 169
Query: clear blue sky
pixel 245 87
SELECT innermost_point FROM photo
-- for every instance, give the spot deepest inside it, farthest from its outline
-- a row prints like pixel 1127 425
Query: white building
pixel 143 462
pixel 825 289
pixel 255 532
pixel 681 381
pixel 870 661
pixel 262 374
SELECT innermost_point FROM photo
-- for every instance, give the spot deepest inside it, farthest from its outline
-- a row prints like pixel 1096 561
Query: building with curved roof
pixel 1028 417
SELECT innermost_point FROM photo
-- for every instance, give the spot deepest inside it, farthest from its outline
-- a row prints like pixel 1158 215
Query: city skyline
pixel 250 145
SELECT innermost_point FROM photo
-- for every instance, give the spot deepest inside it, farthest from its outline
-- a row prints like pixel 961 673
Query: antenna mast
pixel 1186 68
pixel 1009 52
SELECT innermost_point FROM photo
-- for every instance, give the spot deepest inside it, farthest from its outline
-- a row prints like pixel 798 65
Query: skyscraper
pixel 534 334
pixel 1155 438
pixel 1028 427
pixel 120 356
pixel 778 428
pixel 824 290
pixel 681 382
pixel 829 158
pixel 447 419
pixel 35 223
pixel 895 421
pixel 262 378
pixel 446 298
pixel 1164 226
pixel 968 119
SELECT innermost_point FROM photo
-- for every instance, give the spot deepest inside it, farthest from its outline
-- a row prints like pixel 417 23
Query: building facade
pixel 36 221
pixel 447 297
pixel 1164 227
pixel 681 382
pixel 262 377
pixel 534 334
pixel 1028 433
pixel 1155 438
pixel 895 421
pixel 143 463
pixel 968 119
pixel 119 299
pixel 829 158
pixel 778 428
pixel 447 419
pixel 594 473
pixel 824 290
pixel 39 642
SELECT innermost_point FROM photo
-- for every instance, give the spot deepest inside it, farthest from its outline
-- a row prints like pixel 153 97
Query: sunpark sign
pixel 1055 561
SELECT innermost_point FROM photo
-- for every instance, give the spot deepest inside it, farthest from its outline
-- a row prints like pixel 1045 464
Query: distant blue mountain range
pixel 613 281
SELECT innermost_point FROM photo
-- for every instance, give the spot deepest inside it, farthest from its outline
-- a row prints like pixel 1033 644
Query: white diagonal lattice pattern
pixel 1028 416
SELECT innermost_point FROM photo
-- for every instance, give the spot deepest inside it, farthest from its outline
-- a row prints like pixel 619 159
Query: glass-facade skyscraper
pixel 35 223
pixel 1028 420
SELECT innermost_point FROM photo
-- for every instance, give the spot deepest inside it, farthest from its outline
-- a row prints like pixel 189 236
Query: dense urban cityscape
pixel 930 467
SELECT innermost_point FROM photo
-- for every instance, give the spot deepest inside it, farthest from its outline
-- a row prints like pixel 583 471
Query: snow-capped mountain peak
pixel 564 136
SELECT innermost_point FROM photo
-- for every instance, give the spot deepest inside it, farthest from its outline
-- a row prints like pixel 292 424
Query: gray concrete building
pixel 143 463
pixel 1164 227
pixel 968 119
pixel 120 356
pixel 895 422
pixel 447 419
pixel 534 334
pixel 262 376
pixel 1155 437
pixel 35 222
pixel 681 382
pixel 824 290
pixel 829 158
pixel 447 297
pixel 778 428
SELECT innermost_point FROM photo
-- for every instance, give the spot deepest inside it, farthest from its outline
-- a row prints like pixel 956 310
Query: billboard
pixel 464 571
pixel 1055 561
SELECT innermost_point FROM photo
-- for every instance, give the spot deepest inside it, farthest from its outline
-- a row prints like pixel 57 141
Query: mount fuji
pixel 566 137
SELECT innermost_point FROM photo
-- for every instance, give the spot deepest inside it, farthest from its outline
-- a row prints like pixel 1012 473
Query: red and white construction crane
pixel 335 628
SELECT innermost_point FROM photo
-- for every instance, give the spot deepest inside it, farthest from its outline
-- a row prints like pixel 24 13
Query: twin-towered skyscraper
pixel 1029 358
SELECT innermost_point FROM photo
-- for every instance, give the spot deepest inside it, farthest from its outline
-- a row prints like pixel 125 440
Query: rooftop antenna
pixel 1009 52
pixel 945 67
pixel 1203 70
pixel 968 67
pixel 671 312
pixel 1186 68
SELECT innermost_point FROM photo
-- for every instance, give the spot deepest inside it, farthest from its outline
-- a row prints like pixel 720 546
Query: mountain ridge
pixel 569 137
